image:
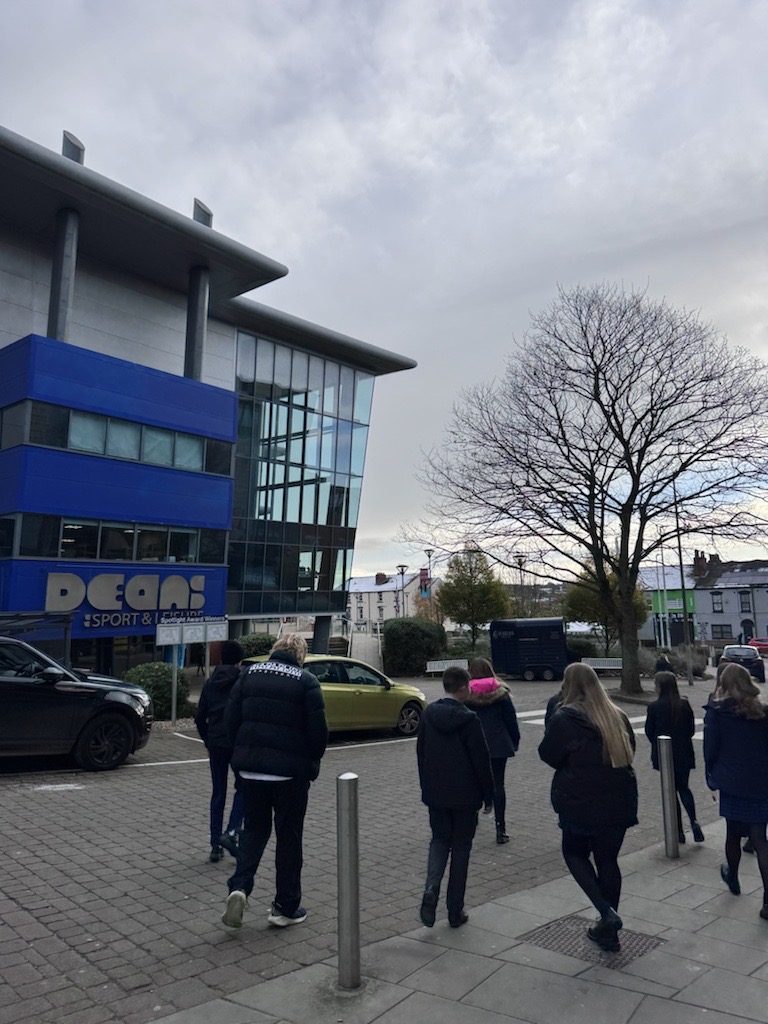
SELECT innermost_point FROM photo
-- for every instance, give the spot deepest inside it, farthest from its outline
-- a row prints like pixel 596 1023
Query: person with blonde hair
pixel 277 730
pixel 590 744
pixel 736 761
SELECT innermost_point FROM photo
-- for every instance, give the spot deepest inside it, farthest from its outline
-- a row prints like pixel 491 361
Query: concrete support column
pixel 321 636
pixel 197 321
pixel 197 304
pixel 63 273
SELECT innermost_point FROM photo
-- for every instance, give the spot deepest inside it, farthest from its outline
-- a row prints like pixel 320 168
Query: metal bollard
pixel 668 797
pixel 348 880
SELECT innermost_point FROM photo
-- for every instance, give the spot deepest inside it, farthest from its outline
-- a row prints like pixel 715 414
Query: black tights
pixel 756 834
pixel 686 798
pixel 601 882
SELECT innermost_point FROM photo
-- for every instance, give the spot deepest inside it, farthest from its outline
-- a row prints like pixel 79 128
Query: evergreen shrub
pixel 408 644
pixel 156 677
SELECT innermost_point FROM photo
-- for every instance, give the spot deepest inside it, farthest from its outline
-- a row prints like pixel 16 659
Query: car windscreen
pixel 740 652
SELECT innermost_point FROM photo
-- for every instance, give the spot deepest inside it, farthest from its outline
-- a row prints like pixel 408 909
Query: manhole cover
pixel 568 935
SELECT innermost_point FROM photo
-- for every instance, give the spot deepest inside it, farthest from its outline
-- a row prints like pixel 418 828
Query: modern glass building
pixel 302 433
pixel 166 446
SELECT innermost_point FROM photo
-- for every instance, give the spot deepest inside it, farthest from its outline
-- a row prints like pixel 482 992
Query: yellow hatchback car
pixel 358 697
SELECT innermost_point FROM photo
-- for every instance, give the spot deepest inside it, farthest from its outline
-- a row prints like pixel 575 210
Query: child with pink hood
pixel 490 700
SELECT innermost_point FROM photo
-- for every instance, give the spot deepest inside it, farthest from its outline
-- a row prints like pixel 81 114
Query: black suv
pixel 48 709
pixel 747 656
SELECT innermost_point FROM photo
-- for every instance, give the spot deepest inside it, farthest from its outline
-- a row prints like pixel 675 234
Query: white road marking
pixel 184 736
pixel 56 787
pixel 159 764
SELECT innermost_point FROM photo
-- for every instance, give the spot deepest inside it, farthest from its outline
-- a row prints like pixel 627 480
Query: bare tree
pixel 616 413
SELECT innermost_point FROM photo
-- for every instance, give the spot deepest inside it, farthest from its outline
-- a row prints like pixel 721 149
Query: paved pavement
pixel 109 910
pixel 691 953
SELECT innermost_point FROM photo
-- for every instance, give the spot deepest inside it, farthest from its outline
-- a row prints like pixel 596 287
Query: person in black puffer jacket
pixel 491 702
pixel 210 724
pixel 590 743
pixel 277 728
pixel 456 779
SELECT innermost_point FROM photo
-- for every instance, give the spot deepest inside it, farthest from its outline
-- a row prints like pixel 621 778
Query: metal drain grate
pixel 568 935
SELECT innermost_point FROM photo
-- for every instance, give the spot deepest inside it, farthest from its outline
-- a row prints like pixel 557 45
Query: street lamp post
pixel 429 552
pixel 520 559
pixel 687 639
pixel 401 569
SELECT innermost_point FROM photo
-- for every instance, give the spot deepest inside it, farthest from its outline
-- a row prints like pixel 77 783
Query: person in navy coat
pixel 736 761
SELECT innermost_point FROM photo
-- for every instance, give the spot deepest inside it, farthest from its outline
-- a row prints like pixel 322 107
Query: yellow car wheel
pixel 408 719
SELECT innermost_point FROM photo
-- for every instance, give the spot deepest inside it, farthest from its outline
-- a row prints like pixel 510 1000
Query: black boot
pixel 501 833
pixel 428 907
pixel 605 932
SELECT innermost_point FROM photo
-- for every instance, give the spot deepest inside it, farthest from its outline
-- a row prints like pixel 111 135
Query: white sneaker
pixel 236 904
pixel 278 916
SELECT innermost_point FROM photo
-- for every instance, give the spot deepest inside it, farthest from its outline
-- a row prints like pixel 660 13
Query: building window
pixel 79 538
pixel 721 633
pixel 151 543
pixel 361 613
pixel 123 440
pixel 56 427
pixel 745 605
pixel 48 424
pixel 7 530
pixel 157 446
pixel 40 536
pixel 213 545
pixel 717 602
pixel 87 432
pixel 218 457
pixel 116 543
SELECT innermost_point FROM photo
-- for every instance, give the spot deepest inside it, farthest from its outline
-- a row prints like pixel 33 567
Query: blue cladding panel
pixel 80 379
pixel 14 372
pixel 11 475
pixel 25 586
pixel 66 483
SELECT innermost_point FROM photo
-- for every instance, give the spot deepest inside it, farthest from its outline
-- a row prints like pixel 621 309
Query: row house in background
pixel 731 598
pixel 372 600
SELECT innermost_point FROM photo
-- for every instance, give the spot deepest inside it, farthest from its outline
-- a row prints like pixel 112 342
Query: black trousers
pixel 452 835
pixel 288 802
pixel 219 776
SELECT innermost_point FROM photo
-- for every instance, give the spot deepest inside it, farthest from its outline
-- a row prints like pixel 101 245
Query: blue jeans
pixel 452 833
pixel 219 760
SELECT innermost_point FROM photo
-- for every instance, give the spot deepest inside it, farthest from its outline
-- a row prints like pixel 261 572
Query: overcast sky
pixel 429 170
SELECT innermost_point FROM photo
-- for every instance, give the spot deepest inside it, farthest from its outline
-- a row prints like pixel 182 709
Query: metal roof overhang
pixel 120 227
pixel 258 319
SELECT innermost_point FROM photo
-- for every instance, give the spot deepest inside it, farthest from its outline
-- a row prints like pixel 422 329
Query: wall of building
pixel 25 286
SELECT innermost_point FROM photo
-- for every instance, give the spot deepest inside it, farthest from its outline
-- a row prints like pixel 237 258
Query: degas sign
pixel 112 592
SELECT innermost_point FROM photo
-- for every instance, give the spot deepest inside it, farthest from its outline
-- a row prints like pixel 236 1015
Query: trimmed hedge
pixel 581 647
pixel 157 679
pixel 256 643
pixel 408 644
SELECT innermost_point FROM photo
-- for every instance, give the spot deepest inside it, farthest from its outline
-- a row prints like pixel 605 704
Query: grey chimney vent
pixel 202 214
pixel 72 148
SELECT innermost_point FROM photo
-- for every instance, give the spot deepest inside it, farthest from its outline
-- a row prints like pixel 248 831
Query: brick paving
pixel 109 910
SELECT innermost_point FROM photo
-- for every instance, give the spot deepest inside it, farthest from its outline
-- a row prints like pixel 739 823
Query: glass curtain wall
pixel 302 435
